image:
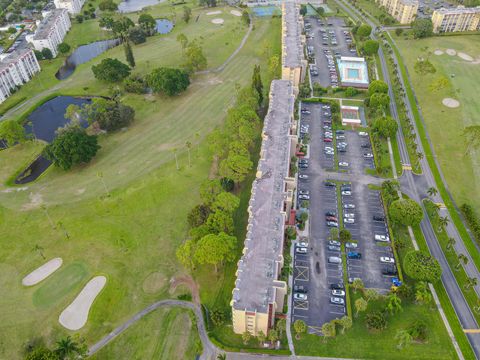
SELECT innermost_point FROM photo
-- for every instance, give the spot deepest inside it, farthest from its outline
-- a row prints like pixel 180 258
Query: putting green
pixel 60 284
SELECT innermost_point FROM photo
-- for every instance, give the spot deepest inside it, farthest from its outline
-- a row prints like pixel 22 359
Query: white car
pixel 346 193
pixel 349 215
pixel 325 107
pixel 363 133
pixel 349 206
pixel 337 300
pixel 383 238
pixel 328 148
pixel 303 176
pixel 334 260
pixel 351 245
pixel 338 292
pixel 341 137
pixel 300 296
pixel 387 260
pixel 302 244
pixel 343 164
pixel 349 221
pixel 301 250
pixel 334 243
pixel 368 155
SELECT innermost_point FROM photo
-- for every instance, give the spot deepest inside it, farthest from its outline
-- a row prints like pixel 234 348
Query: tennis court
pixel 262 11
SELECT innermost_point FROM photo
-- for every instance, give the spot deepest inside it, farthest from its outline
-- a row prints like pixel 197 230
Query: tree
pixel 422 295
pixel 42 353
pixel 195 59
pixel 385 126
pixel 63 48
pixel 73 146
pixel 209 191
pixel 406 212
pixel 377 86
pixel 79 18
pixel 303 10
pixel 106 22
pixel 147 23
pixel 216 249
pixel 245 17
pixel 422 266
pixel 225 202
pixel 168 81
pixel 404 338
pixel 137 35
pixel 257 84
pixel 281 326
pixel 422 28
pixel 222 356
pixel 398 31
pixel 38 55
pixel 261 337
pixel 198 215
pixel 227 184
pixel 235 167
pixel 246 336
pixel 185 253
pixel 111 70
pixel 451 243
pixel 300 327
pixel 443 222
pixel 187 14
pixel 121 27
pixel 67 347
pixel 320 11
pixel 345 322
pixel 394 303
pixel 364 31
pixel 129 54
pixel 379 101
pixel 108 5
pixel 370 47
pixel 47 54
pixel 273 335
pixel 350 92
pixel 472 137
pixel 423 67
pixel 360 306
pixel 357 284
pixel 375 321
pixel 471 282
pixel 345 235
pixel 461 259
pixel 371 294
pixel 329 330
pixel 12 132
pixel 432 191
pixel 108 114
pixel 135 84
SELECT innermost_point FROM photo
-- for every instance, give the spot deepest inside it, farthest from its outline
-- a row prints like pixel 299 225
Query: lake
pixel 127 6
pixel 164 26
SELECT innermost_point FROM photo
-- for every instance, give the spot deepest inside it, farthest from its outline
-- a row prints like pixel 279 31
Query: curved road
pixel 416 186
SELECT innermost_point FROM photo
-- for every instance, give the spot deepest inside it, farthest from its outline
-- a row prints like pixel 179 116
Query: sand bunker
pixel 235 13
pixel 218 21
pixel 75 316
pixel 451 103
pixel 451 52
pixel 214 12
pixel 438 52
pixel 465 57
pixel 42 272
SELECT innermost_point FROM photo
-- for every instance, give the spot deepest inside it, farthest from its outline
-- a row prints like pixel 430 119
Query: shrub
pixel 135 84
pixel 472 220
pixel 111 70
pixel 375 321
pixel 422 266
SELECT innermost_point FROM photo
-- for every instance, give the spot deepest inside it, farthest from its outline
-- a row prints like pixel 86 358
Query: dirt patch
pixel 451 103
pixel 80 191
pixel 212 174
pixel 451 52
pixel 189 283
pixel 35 201
pixel 235 13
pixel 214 12
pixel 154 282
pixel 42 272
pixel 438 52
pixel 464 56
pixel 218 21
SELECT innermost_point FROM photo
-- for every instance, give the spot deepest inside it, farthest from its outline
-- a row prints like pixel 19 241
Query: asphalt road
pixel 416 186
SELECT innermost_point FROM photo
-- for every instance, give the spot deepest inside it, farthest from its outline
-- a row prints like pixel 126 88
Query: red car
pixel 331 218
pixel 327 140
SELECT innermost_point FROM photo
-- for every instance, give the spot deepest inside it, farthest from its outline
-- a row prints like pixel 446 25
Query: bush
pixel 227 184
pixel 111 70
pixel 418 331
pixel 422 266
pixel 185 297
pixel 63 48
pixel 135 84
pixel 375 321
pixel 168 81
pixel 137 35
pixel 198 215
pixel 350 92
pixel 406 212
pixel 472 220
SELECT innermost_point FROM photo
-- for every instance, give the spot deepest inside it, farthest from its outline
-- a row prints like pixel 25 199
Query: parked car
pixel 300 289
pixel 304 197
pixel 354 255
pixel 327 140
pixel 349 215
pixel 341 137
pixel 343 164
pixel 365 145
pixel 306 111
pixel 387 260
pixel 329 183
pixel 368 155
pixel 334 248
pixel 303 166
pixel 334 243
pixel 303 176
pixel 332 224
pixel 300 296
pixel 389 270
pixel 301 250
pixel 378 217
pixel 348 221
pixel 346 193
pixel 330 213
pixel 337 301
pixel 336 292
pixel 363 133
pixel 334 260
pixel 383 238
pixel 349 206
pixel 331 218
pixel 337 286
pixel 351 245
pixel 303 192
pixel 302 244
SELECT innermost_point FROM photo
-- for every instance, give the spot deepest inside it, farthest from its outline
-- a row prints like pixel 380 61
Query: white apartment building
pixel 72 6
pixel 456 19
pixel 15 70
pixel 51 31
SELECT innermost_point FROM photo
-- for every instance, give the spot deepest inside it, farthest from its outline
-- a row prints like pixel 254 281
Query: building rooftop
pixel 353 70
pixel 12 58
pixel 258 268
pixel 292 44
pixel 46 24
pixel 459 10
pixel 410 2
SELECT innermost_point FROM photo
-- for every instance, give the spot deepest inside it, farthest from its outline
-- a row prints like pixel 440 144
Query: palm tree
pixel 404 338
pixel 197 140
pixel 188 144
pixel 222 356
pixel 39 249
pixel 451 243
pixel 461 258
pixel 45 210
pixel 174 150
pixel 100 176
pixel 432 191
pixel 471 282
pixel 66 347
pixel 394 303
pixel 422 295
pixel 61 226
pixel 443 222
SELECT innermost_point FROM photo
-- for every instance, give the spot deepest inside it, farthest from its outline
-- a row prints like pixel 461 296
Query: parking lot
pixel 318 268
pixel 325 40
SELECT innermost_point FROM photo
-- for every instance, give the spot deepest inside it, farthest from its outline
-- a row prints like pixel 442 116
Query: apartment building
pixel 51 31
pixel 72 6
pixel 15 70
pixel 404 11
pixel 258 292
pixel 293 62
pixel 456 19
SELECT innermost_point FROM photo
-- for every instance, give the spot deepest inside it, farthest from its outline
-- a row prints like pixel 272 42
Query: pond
pixel 127 6
pixel 82 54
pixel 164 26
pixel 43 122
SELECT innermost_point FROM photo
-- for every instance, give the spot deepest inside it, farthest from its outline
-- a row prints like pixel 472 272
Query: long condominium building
pixel 72 6
pixel 456 19
pixel 51 31
pixel 15 70
pixel 258 292
pixel 404 11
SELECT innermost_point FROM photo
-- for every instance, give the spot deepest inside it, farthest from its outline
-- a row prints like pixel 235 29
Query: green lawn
pixel 136 230
pixel 445 125
pixel 163 334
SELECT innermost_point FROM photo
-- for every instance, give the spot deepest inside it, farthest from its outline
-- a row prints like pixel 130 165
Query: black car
pixel 338 286
pixel 330 213
pixel 303 161
pixel 389 270
pixel 378 217
pixel 300 289
pixel 339 132
pixel 365 146
pixel 342 149
pixel 329 183
pixel 303 165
